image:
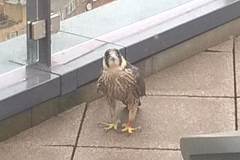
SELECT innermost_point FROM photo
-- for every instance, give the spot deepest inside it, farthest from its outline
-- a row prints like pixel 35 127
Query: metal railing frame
pixel 39 51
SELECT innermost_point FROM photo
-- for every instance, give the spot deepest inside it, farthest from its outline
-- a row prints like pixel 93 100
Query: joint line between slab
pixel 131 148
pixel 235 84
pixel 58 145
pixel 211 50
pixel 79 131
pixel 190 96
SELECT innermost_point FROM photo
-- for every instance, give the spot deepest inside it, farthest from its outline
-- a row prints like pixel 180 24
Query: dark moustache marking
pixel 106 56
pixel 119 57
pixel 120 61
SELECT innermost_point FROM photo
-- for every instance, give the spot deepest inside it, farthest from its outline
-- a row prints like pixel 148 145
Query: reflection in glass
pixel 112 16
pixel 99 17
pixel 12 19
pixel 12 26
pixel 70 8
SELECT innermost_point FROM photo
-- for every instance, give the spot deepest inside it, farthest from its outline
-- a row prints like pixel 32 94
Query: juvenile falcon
pixel 121 81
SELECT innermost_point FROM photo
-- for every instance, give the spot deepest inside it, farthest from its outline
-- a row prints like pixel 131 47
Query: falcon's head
pixel 113 60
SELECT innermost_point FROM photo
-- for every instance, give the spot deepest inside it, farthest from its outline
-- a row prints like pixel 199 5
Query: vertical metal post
pixel 39 50
pixel 32 45
pixel 44 9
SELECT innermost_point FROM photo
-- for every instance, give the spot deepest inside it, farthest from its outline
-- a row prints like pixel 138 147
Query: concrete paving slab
pixel 19 152
pixel 60 130
pixel 125 154
pixel 226 46
pixel 164 120
pixel 205 74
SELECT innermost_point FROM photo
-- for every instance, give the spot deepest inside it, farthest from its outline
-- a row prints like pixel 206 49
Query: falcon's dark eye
pixel 107 54
pixel 118 54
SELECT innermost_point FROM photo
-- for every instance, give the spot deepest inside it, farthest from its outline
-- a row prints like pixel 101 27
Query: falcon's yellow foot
pixel 109 126
pixel 129 129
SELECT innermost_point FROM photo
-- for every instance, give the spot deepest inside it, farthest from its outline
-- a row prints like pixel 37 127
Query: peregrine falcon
pixel 121 81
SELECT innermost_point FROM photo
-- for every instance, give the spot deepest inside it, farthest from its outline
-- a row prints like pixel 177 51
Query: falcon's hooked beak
pixel 113 60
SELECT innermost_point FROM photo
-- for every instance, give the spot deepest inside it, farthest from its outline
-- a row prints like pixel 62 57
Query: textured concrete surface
pixel 195 96
pixel 223 47
pixel 206 74
pixel 60 130
pixel 125 154
pixel 168 118
pixel 24 152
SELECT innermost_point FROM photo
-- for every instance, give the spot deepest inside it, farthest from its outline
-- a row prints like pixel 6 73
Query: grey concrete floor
pixel 196 96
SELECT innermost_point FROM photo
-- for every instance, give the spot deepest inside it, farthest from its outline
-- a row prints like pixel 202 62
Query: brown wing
pixel 139 78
